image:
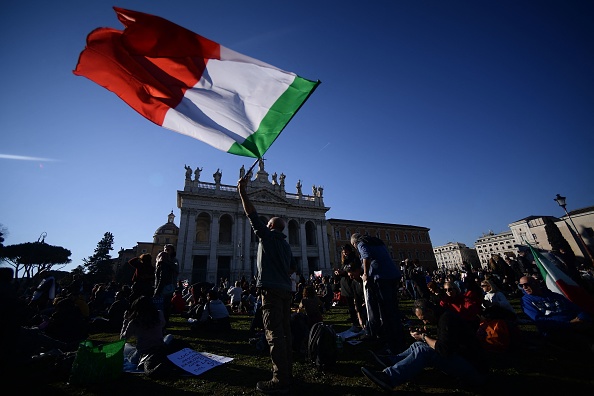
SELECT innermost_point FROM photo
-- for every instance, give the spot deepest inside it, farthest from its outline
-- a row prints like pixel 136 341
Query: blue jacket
pixel 382 266
pixel 551 311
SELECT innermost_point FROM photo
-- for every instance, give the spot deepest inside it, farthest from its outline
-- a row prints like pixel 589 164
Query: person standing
pixel 354 272
pixel 349 259
pixel 274 262
pixel 294 280
pixel 166 274
pixel 144 273
pixel 234 292
pixel 381 278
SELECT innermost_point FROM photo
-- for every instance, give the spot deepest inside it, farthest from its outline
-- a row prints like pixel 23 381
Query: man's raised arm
pixel 248 207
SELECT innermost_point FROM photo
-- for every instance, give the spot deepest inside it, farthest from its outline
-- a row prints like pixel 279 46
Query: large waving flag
pixel 559 282
pixel 192 85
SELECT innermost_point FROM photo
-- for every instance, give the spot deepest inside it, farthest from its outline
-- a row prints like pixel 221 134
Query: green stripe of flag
pixel 277 118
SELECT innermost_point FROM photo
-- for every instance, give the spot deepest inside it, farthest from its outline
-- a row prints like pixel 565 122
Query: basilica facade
pixel 215 236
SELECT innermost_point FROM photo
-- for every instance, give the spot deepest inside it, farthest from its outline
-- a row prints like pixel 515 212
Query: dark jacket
pixel 274 256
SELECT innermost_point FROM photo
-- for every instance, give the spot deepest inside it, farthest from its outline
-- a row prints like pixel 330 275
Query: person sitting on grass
pixel 455 351
pixel 144 322
pixel 178 303
pixel 495 303
pixel 214 316
pixel 557 319
pixel 468 307
pixel 311 305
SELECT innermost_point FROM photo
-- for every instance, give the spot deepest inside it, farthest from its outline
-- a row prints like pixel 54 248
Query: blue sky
pixel 459 116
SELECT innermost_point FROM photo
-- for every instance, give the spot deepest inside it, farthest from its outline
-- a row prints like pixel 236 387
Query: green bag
pixel 97 363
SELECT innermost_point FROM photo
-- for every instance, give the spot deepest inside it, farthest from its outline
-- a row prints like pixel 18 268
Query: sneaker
pixel 379 378
pixel 272 388
pixel 383 360
pixel 355 329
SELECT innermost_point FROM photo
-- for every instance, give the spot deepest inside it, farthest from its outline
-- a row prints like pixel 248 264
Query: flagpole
pixel 253 165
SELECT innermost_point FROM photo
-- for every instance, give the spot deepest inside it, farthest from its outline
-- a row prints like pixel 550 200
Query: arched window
pixel 203 228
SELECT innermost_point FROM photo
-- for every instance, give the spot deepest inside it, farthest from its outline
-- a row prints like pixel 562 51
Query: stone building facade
pixel 490 244
pixel 454 255
pixel 577 231
pixel 403 241
pixel 216 239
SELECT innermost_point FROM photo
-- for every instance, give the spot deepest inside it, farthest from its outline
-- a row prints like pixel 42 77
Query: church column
pixel 322 240
pixel 303 240
pixel 214 243
pixel 185 242
pixel 247 247
pixel 237 268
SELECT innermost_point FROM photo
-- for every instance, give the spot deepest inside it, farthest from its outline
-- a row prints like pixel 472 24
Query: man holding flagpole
pixel 274 283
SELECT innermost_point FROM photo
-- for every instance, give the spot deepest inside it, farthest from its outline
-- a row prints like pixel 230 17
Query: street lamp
pixel 562 202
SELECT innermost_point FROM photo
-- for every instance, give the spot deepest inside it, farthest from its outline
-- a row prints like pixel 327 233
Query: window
pixel 225 229
pixel 310 234
pixel 405 238
pixel 387 236
pixel 202 228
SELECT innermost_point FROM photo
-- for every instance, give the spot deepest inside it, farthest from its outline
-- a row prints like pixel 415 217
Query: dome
pixel 168 232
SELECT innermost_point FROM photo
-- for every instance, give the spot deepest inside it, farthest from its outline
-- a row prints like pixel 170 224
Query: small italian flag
pixel 192 85
pixel 559 282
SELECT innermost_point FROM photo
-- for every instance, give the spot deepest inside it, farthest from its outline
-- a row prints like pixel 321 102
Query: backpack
pixel 321 346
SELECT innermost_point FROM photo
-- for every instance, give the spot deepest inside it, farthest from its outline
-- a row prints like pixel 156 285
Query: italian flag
pixel 192 85
pixel 559 282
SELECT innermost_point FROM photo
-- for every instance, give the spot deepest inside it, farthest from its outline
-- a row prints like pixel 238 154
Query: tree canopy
pixel 33 257
pixel 99 266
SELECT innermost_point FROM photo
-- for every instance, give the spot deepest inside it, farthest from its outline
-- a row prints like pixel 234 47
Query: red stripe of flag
pixel 150 65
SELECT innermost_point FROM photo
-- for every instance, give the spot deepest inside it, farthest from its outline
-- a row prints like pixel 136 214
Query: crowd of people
pixel 457 312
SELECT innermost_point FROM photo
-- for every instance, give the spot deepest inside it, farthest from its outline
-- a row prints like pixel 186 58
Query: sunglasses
pixel 484 285
pixel 523 285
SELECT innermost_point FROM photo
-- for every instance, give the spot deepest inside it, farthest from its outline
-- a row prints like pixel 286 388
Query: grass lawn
pixel 530 368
